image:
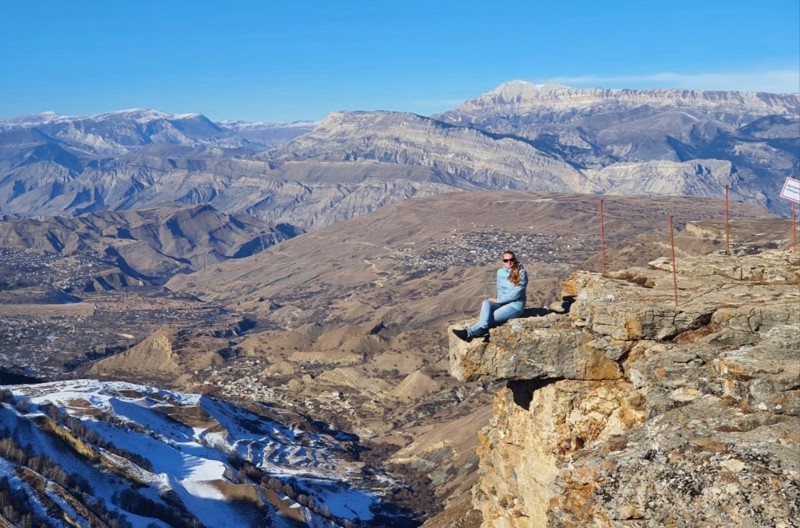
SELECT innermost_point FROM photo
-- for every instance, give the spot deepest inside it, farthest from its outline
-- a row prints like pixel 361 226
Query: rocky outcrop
pixel 637 407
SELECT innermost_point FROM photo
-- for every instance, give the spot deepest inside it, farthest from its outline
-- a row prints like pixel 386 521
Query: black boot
pixel 462 335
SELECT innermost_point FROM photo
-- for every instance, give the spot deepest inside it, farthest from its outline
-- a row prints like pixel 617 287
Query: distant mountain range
pixel 119 132
pixel 518 136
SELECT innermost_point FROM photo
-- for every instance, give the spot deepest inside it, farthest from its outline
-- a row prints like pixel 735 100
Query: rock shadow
pixel 536 312
pixel 523 390
pixel 566 304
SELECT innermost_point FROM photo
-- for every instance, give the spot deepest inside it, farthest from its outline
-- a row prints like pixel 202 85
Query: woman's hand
pixel 493 299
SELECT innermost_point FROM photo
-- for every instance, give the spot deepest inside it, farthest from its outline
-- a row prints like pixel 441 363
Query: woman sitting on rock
pixel 512 279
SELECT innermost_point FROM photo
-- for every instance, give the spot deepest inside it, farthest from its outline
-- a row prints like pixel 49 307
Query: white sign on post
pixel 791 190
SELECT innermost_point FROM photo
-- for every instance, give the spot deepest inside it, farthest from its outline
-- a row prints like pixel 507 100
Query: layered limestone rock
pixel 631 407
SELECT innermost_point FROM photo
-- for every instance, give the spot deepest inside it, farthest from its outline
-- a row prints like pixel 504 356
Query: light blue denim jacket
pixel 508 293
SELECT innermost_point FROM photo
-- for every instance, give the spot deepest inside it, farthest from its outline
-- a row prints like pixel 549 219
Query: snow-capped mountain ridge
pixel 255 124
pixel 29 120
pixel 141 115
pixel 520 135
pixel 523 95
pixel 123 131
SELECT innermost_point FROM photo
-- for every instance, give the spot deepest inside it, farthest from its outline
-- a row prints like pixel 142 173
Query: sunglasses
pixel 509 260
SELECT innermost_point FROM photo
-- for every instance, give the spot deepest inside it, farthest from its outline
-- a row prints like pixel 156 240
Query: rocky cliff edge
pixel 625 408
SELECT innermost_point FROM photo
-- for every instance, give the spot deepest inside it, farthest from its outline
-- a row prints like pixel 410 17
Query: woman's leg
pixel 492 314
pixel 484 321
pixel 504 313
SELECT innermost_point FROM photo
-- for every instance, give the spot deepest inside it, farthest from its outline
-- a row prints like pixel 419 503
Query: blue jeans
pixel 494 314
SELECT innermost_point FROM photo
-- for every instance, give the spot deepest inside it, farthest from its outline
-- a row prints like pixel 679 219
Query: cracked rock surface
pixel 632 409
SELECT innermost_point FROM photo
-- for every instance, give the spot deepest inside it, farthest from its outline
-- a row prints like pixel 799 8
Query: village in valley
pixel 55 313
pixel 59 313
pixel 482 246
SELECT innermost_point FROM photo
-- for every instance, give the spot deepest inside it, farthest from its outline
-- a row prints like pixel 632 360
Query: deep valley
pixel 270 308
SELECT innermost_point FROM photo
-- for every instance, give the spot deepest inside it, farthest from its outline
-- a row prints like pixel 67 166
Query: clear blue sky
pixel 283 60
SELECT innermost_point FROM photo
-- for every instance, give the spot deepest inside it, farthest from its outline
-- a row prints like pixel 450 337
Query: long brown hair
pixel 513 275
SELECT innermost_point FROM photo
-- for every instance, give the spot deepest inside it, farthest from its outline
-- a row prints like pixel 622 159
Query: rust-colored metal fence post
pixel 727 225
pixel 794 228
pixel 674 268
pixel 602 240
